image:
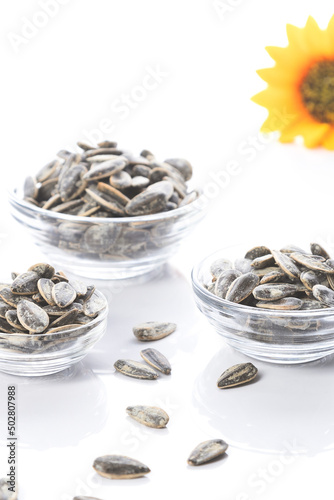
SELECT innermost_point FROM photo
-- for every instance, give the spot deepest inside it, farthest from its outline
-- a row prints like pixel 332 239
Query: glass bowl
pixel 36 355
pixel 287 337
pixel 107 248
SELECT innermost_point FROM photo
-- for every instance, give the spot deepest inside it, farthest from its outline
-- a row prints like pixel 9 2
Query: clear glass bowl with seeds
pixel 107 214
pixel 44 354
pixel 277 336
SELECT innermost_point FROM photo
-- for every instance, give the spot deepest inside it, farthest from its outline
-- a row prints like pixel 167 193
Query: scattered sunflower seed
pixel 135 369
pixel 119 467
pixel 207 451
pixel 157 360
pixel 237 375
pixel 151 416
pixel 153 330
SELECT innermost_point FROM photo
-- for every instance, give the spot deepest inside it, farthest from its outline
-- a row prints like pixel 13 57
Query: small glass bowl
pixel 107 248
pixel 286 337
pixel 44 354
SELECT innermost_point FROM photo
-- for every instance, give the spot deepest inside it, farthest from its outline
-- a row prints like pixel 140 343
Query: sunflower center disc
pixel 317 90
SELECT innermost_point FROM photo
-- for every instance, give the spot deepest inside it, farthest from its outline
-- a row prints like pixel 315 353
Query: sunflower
pixel 300 92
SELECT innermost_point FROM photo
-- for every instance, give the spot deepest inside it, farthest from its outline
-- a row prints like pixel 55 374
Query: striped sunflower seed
pixel 119 467
pixel 242 287
pixel 135 369
pixel 157 360
pixel 237 375
pixel 32 317
pixel 207 451
pixel 153 330
pixel 151 416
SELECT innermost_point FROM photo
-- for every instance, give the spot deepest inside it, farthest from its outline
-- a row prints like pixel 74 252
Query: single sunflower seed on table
pixel 242 287
pixel 119 467
pixel 151 416
pixel 135 369
pixel 153 330
pixel 237 375
pixel 157 360
pixel 207 451
pixel 32 317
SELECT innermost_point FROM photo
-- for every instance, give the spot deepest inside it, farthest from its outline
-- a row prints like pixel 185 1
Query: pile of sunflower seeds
pixel 42 301
pixel 285 279
pixel 106 181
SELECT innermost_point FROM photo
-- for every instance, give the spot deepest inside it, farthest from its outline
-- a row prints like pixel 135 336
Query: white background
pixel 68 81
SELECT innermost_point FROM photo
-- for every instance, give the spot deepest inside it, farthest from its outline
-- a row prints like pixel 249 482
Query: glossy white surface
pixel 60 86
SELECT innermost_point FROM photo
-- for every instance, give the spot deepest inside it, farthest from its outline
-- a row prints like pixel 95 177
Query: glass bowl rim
pixel 201 201
pixel 102 315
pixel 241 308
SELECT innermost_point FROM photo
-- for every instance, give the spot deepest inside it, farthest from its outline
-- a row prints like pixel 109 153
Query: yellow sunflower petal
pixel 311 131
pixel 328 141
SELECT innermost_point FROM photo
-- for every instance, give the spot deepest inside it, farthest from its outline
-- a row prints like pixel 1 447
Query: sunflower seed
pixel 12 319
pixel 119 467
pixel 286 264
pixel 72 183
pixel 113 192
pixel 286 304
pixel 32 317
pixel 43 270
pixel 106 202
pixel 264 261
pixel 25 283
pixel 317 249
pixel 30 189
pixel 224 281
pixel 292 249
pixel 63 294
pixel 151 416
pixel 237 375
pixel 93 305
pixel 153 330
pixel 274 291
pixel 220 265
pixel 105 169
pixel 256 252
pixel 315 262
pixel 135 369
pixel 157 360
pixel 4 307
pixel 324 295
pixel 311 278
pixel 45 287
pixel 10 298
pixel 120 180
pixel 272 276
pixel 207 451
pixel 242 287
pixel 5 493
pixel 147 202
pixel 243 265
